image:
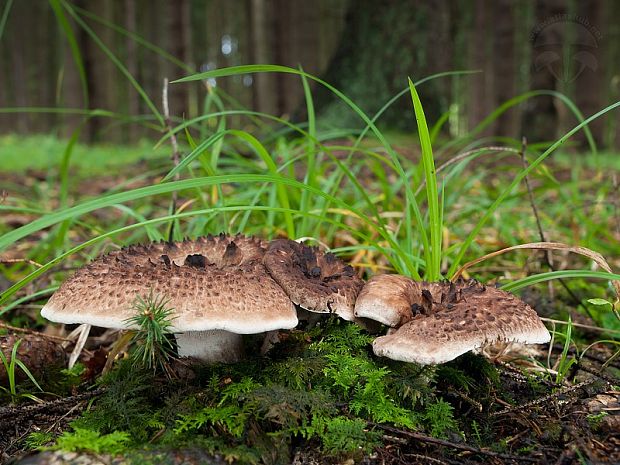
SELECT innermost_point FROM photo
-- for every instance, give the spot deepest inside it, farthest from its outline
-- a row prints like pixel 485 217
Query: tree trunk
pixel 264 95
pixel 505 69
pixel 380 46
pixel 540 118
pixel 133 104
pixel 179 45
pixel 589 66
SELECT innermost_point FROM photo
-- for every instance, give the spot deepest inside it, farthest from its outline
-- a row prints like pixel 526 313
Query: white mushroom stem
pixel 214 346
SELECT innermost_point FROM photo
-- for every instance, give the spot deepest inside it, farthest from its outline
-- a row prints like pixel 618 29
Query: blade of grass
pixel 28 298
pixel 520 99
pixel 561 274
pixel 310 176
pixel 64 183
pixel 142 119
pixel 39 271
pixel 108 200
pixel 433 259
pixel 73 46
pixel 25 369
pixel 260 151
pixel 5 16
pixel 135 37
pixel 246 69
pixel 116 62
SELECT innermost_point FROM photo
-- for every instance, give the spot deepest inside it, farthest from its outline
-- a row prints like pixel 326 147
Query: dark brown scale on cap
pixel 166 259
pixel 195 260
pixel 316 281
pixel 232 255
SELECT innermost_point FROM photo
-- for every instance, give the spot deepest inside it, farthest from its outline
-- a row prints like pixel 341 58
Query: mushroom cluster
pixel 433 323
pixel 225 286
pixel 218 287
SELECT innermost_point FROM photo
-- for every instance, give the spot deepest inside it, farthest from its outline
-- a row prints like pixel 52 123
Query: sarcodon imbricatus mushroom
pixel 218 287
pixel 436 322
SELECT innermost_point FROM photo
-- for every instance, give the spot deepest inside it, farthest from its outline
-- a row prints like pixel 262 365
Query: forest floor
pixel 308 400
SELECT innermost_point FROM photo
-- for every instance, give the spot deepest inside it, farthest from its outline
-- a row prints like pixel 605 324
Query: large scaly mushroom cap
pixel 222 250
pixel 316 281
pixel 464 316
pixel 220 284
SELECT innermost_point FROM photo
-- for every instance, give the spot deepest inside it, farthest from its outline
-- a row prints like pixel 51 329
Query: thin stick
pixel 453 445
pixel 579 325
pixel 547 253
pixel 33 332
pixel 543 400
pixel 20 260
pixel 530 195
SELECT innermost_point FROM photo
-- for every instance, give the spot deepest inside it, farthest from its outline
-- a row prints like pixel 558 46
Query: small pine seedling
pixel 153 347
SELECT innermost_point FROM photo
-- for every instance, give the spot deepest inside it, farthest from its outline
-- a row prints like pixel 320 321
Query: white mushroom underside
pixel 249 324
pixel 341 310
pixel 442 352
pixel 376 309
pixel 214 346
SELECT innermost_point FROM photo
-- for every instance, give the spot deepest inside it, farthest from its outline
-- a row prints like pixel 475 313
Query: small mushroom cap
pixel 470 316
pixel 205 296
pixel 316 281
pixel 391 298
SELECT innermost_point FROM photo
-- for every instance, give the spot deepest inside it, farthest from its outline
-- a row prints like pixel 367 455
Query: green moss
pixel 38 439
pixel 322 389
pixel 87 440
pixel 440 419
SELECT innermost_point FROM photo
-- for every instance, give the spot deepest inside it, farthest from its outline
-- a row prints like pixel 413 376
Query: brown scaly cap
pixel 466 316
pixel 316 281
pixel 222 250
pixel 394 299
pixel 206 292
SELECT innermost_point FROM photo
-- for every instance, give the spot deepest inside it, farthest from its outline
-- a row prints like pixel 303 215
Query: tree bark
pixel 133 104
pixel 540 118
pixel 589 65
pixel 505 69
pixel 179 45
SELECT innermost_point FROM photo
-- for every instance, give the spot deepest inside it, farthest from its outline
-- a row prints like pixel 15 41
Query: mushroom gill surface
pixel 316 281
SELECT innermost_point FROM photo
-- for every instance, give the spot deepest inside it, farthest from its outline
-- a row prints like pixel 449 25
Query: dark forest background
pixel 365 48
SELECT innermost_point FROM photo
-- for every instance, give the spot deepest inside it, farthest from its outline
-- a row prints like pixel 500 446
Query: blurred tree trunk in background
pixel 100 71
pixel 481 99
pixel 591 93
pixel 179 45
pixel 505 74
pixel 381 45
pixel 18 75
pixel 131 48
pixel 367 49
pixel 540 119
pixel 264 97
